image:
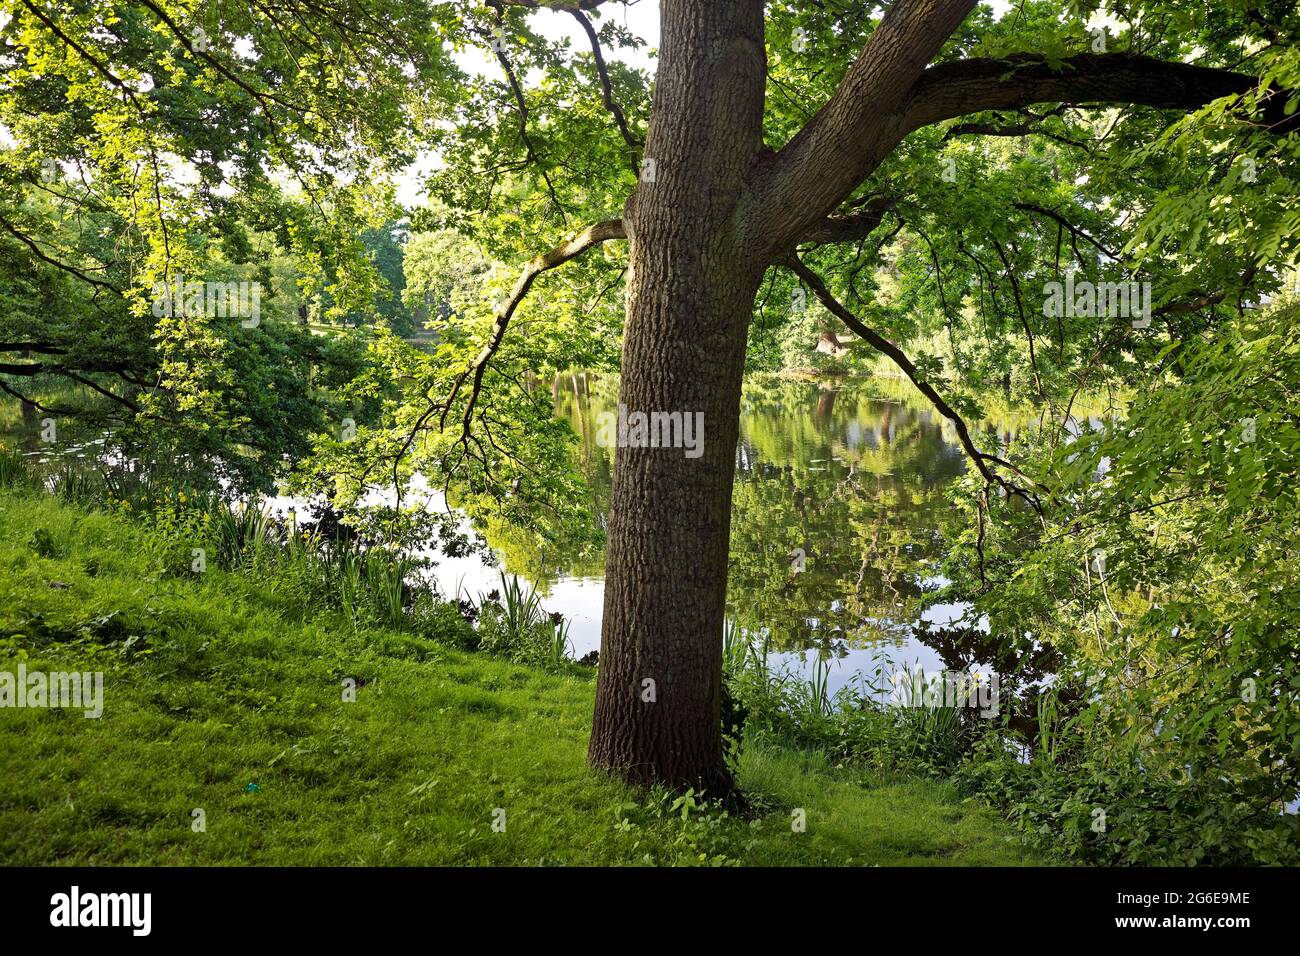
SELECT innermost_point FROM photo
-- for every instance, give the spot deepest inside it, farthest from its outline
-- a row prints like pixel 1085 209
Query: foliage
pixel 144 142
pixel 1165 574
pixel 517 627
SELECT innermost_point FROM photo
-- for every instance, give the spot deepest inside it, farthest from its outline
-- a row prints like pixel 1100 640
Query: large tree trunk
pixel 694 275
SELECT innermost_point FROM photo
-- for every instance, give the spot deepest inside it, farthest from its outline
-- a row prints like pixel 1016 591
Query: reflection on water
pixel 851 476
pixel 840 488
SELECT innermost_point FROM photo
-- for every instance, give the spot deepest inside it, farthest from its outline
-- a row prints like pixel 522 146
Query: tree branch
pixel 71 270
pixel 1010 273
pixel 980 459
pixel 1014 129
pixel 42 348
pixel 1204 302
pixel 120 399
pixel 591 236
pixel 606 88
pixel 868 116
pixel 530 150
pixel 850 228
pixel 848 137
pixel 1067 225
pixel 36 368
pixel 949 90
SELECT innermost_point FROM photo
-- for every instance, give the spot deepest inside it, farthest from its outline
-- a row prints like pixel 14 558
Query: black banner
pixel 339 906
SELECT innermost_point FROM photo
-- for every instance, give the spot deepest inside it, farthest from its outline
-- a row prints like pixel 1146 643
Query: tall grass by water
pixel 373 584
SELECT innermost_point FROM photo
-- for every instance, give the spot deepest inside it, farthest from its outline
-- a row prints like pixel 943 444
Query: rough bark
pixel 691 286
pixel 861 123
pixel 961 87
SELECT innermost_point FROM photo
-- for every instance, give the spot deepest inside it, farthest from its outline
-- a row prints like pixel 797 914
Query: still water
pixel 854 473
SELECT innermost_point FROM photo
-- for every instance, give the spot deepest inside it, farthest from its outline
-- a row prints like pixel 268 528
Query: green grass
pixel 230 683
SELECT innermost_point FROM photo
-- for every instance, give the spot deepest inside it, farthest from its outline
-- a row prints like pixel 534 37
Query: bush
pixel 1120 815
pixel 443 622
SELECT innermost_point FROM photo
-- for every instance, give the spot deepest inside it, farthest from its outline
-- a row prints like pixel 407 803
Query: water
pixel 854 473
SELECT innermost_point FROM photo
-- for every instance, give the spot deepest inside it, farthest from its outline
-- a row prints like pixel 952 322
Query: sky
pixel 642 18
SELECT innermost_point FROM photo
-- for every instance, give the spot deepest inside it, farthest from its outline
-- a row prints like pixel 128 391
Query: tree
pixel 441 270
pixel 719 209
pixel 139 149
pixel 723 190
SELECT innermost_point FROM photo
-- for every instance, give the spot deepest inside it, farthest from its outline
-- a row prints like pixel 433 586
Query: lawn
pixel 225 695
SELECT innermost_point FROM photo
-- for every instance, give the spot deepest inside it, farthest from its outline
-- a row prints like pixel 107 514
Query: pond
pixel 839 497
pixel 849 474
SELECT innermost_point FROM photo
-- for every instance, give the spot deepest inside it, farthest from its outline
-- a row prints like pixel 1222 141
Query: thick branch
pixel 851 228
pixel 840 146
pixel 961 87
pixel 42 348
pixel 26 370
pixel 1010 130
pixel 867 117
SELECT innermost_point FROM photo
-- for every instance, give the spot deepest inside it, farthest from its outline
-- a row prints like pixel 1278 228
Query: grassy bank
pixel 222 693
